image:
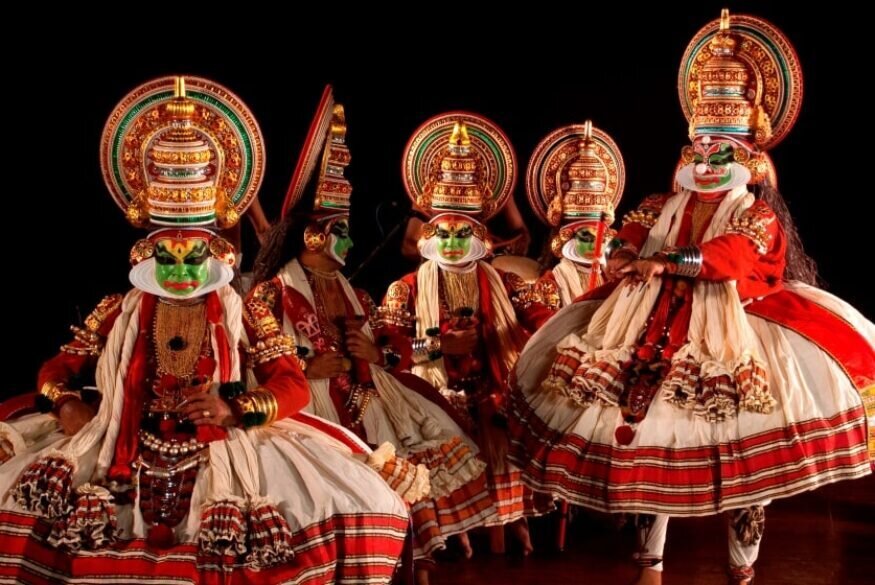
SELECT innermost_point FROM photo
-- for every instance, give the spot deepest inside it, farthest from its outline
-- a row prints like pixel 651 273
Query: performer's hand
pixel 209 409
pixel 359 346
pixel 618 260
pixel 327 365
pixel 74 415
pixel 7 451
pixel 643 270
pixel 459 341
pixel 259 221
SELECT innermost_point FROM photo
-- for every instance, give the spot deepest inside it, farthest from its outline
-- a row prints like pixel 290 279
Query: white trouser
pixel 744 528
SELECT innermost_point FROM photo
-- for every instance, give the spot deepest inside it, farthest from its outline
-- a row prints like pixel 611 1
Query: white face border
pixel 428 247
pixel 142 276
pixel 687 174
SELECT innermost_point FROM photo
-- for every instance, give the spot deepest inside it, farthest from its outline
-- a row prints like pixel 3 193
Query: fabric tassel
pixel 682 382
pixel 223 529
pixel 409 481
pixel 269 538
pixel 753 388
pixel 46 485
pixel 451 465
pixel 605 380
pixel 91 525
pixel 718 401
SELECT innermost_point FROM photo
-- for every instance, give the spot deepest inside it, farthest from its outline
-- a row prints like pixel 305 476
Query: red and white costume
pixel 374 400
pixel 715 385
pixel 762 398
pixel 478 172
pixel 140 493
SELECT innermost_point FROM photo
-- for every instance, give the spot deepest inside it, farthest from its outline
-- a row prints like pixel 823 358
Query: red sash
pixel 519 337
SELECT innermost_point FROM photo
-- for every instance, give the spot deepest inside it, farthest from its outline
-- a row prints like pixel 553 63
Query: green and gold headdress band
pixel 182 152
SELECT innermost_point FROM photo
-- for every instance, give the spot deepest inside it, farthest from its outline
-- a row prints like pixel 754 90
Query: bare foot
pixel 520 530
pixel 465 543
pixel 649 577
pixel 420 577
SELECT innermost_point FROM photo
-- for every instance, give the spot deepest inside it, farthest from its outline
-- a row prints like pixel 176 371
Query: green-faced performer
pixel 574 181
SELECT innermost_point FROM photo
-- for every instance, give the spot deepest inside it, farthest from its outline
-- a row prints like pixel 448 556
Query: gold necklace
pixel 179 333
pixel 461 290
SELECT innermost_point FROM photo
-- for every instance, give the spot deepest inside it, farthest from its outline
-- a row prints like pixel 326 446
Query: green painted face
pixel 181 265
pixel 454 239
pixel 713 164
pixel 341 240
pixel 585 239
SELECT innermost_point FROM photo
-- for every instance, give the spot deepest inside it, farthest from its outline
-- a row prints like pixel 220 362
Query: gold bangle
pixel 272 406
pixel 260 405
pixel 56 390
pixel 259 401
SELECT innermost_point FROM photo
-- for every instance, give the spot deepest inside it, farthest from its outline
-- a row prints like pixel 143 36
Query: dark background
pixel 67 244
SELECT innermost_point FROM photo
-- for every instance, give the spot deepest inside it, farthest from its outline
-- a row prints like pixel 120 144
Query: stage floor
pixel 825 537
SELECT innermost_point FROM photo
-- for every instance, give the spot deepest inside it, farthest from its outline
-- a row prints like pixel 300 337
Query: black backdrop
pixel 67 244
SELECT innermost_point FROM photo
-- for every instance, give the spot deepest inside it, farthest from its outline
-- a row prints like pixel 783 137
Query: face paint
pixel 712 164
pixel 339 242
pixel 181 265
pixel 585 239
pixel 454 239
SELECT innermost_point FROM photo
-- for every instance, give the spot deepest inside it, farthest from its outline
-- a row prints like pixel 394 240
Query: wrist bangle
pixel 684 261
pixel 390 357
pixel 53 395
pixel 255 408
pixel 426 348
pixel 613 246
pixel 302 357
pixel 231 390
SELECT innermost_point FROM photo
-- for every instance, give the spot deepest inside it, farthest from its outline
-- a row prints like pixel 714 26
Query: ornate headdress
pixel 182 152
pixel 459 162
pixel 575 178
pixel 458 168
pixel 740 79
pixel 183 155
pixel 325 145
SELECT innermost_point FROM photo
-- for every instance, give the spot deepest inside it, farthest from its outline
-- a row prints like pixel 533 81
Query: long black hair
pixel 800 266
pixel 283 242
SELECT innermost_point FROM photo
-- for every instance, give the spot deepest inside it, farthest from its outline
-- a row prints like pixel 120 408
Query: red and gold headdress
pixel 324 145
pixel 182 152
pixel 183 155
pixel 575 177
pixel 740 78
pixel 459 162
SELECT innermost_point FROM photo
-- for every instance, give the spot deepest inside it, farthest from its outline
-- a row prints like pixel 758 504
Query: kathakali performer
pixel 713 378
pixel 574 182
pixel 154 460
pixel 354 364
pixel 457 309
